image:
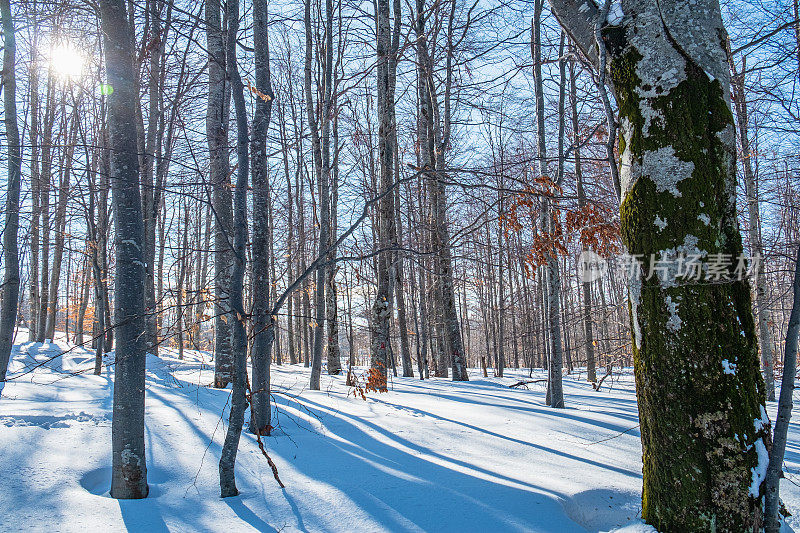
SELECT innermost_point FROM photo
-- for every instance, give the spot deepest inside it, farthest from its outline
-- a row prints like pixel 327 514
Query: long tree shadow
pixel 142 515
pixel 528 408
pixel 405 442
pixel 247 515
pixel 404 486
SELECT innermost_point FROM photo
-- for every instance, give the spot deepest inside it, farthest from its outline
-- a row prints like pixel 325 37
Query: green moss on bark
pixel 697 421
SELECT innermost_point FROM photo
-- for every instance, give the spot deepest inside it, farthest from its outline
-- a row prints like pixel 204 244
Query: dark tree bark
pixel 129 470
pixel 586 288
pixel 382 307
pixel 9 294
pixel 754 231
pixel 775 468
pixel 704 431
pixel 217 132
pixel 260 410
pixel 237 317
pixel 45 182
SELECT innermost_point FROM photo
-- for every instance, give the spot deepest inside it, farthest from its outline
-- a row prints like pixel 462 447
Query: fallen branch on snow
pixel 526 383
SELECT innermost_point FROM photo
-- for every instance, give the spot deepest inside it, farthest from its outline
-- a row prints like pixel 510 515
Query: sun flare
pixel 67 61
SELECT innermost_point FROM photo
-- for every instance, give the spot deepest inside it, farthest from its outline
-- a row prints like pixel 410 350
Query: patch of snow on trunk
pixel 728 367
pixel 760 470
pixel 615 14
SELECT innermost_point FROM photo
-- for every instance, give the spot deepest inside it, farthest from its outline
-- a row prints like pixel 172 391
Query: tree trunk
pixel 84 299
pixel 290 246
pixel 45 182
pixel 501 299
pixel 552 282
pixel 433 144
pixel 321 152
pixel 331 308
pixel 705 434
pixel 36 210
pixel 236 318
pixel 586 288
pixel 754 233
pixel 99 323
pixel 60 227
pixel 775 469
pixel 101 238
pixel 382 307
pixel 260 409
pixel 9 294
pixel 180 290
pixel 150 194
pixel 402 322
pixel 217 132
pixel 128 471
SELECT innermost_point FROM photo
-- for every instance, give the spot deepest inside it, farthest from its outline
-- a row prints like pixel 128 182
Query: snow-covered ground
pixel 427 456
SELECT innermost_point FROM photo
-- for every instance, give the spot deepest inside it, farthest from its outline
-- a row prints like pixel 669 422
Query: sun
pixel 67 61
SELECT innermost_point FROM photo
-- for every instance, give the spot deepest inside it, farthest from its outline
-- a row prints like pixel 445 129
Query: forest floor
pixel 427 456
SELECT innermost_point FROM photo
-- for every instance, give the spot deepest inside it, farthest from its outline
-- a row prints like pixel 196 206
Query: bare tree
pixel 754 230
pixel 260 410
pixel 434 139
pixel 129 469
pixel 386 50
pixel 217 115
pixel 322 165
pixel 237 317
pixel 586 288
pixel 9 294
pixel 775 468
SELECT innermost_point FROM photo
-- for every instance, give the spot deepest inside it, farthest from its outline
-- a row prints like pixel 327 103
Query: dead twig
pixel 526 383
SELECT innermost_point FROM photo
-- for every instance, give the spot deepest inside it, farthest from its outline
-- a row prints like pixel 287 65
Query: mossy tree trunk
pixel 705 433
